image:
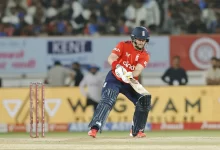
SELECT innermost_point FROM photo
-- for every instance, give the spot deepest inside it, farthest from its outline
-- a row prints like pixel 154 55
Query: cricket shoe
pixel 92 133
pixel 140 134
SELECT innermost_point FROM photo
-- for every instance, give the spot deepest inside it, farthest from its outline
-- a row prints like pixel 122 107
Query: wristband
pixel 114 64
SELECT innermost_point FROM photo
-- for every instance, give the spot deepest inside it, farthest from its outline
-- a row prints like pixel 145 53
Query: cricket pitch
pixel 107 141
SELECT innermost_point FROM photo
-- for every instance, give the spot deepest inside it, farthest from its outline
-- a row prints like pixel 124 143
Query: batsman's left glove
pixel 127 76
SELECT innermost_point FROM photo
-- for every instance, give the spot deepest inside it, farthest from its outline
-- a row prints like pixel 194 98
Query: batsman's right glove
pixel 127 77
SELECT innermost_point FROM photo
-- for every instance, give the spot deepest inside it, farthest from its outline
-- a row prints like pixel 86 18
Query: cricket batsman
pixel 128 59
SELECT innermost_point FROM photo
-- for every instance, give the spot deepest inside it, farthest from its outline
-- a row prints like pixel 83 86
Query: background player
pixel 93 81
pixel 128 59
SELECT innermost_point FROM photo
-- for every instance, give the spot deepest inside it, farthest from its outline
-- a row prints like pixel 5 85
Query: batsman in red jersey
pixel 128 59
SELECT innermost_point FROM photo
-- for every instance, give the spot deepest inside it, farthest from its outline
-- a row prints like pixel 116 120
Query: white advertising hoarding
pixel 35 55
pixel 22 55
pixel 96 51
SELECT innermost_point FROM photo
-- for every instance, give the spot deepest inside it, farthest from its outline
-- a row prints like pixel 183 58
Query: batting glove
pixel 120 71
pixel 127 76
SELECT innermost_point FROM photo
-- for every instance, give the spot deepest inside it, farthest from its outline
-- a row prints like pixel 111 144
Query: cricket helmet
pixel 140 33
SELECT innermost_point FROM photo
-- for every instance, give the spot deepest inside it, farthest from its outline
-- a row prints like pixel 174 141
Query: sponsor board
pixel 167 126
pixel 195 51
pixel 109 126
pixel 3 128
pixel 58 127
pixel 69 50
pixel 87 51
pixel 185 104
pixel 192 126
pixel 210 125
pixel 16 127
pixel 52 110
pixel 186 126
pixel 46 127
pixel 22 55
pixel 29 55
pixel 7 104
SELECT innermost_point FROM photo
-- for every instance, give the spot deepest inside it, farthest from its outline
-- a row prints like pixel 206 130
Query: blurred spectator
pixel 92 26
pixel 218 23
pixel 209 17
pixel 175 75
pixel 135 13
pixel 93 81
pixel 219 63
pixel 12 16
pixel 52 11
pixel 152 18
pixel 107 17
pixel 213 73
pixel 197 26
pixel 57 75
pixel 78 21
pixel 79 75
pixel 68 30
pixel 122 27
pixel 2 32
pixel 202 4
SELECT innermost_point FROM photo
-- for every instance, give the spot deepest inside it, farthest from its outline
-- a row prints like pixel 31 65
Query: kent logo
pixel 69 47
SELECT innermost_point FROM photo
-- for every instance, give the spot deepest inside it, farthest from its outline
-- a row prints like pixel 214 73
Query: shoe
pixel 140 134
pixel 130 133
pixel 92 133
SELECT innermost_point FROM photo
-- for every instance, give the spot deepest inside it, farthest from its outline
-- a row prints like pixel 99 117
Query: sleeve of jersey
pixel 118 49
pixel 144 60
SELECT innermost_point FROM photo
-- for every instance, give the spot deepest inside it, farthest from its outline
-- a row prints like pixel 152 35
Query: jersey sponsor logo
pixel 127 65
pixel 116 49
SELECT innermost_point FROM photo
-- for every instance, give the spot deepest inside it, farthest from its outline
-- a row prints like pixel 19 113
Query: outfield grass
pixel 157 140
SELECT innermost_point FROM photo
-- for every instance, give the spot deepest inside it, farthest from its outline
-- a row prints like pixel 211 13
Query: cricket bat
pixel 138 87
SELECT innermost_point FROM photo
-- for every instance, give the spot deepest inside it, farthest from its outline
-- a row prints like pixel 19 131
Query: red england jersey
pixel 129 57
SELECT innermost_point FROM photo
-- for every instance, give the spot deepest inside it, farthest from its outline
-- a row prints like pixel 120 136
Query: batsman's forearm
pixel 138 69
pixel 110 61
pixel 136 73
pixel 112 58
